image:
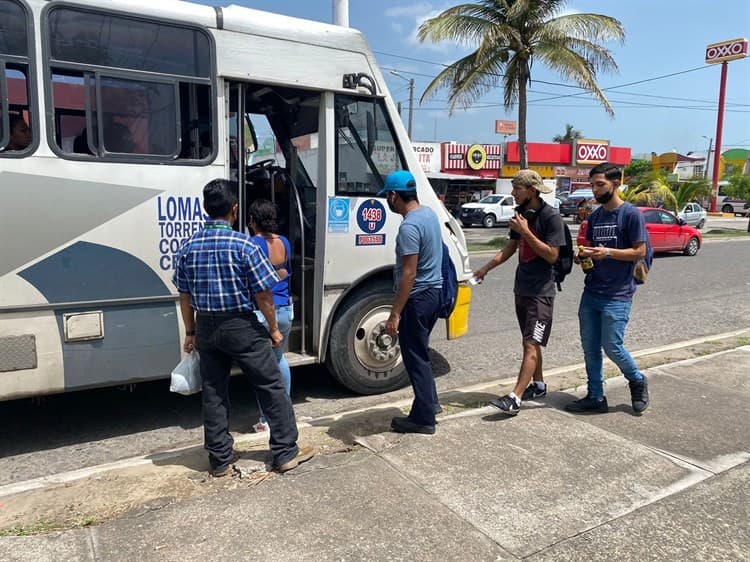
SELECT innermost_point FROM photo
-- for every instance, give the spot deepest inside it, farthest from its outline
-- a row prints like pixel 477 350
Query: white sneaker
pixel 260 427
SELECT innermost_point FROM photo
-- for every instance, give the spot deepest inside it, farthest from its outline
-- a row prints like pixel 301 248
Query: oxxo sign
pixel 726 50
pixel 592 151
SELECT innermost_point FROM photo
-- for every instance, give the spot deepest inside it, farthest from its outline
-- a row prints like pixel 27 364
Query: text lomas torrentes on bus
pixel 178 218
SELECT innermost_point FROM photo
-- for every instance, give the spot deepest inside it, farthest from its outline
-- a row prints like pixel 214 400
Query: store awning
pixel 461 177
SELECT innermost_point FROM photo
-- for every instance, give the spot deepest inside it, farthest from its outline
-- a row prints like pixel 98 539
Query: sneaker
pixel 405 425
pixel 506 404
pixel 639 395
pixel 533 391
pixel 261 426
pixel 588 404
pixel 303 455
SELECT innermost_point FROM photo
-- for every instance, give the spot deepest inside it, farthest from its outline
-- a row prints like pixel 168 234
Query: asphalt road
pixel 684 298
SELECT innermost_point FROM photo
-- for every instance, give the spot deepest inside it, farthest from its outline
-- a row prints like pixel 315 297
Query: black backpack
pixel 564 264
pixel 450 284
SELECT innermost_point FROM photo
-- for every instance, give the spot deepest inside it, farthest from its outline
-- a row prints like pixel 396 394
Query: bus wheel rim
pixel 373 348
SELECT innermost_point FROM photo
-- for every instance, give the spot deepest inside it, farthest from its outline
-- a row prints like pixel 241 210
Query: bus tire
pixel 360 355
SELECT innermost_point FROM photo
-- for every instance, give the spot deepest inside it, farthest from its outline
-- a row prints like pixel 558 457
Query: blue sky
pixel 662 37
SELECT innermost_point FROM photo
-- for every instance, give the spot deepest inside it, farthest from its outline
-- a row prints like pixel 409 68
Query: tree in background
pixel 693 190
pixel 651 191
pixel 636 171
pixel 570 135
pixel 507 37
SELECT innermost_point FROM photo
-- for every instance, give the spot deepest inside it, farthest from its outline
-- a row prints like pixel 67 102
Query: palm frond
pixel 592 27
pixel 574 68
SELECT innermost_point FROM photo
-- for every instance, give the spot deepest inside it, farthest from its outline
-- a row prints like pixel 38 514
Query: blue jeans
pixel 417 320
pixel 222 338
pixel 284 317
pixel 602 324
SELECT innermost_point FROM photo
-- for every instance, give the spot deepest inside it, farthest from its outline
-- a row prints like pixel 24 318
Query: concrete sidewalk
pixel 545 485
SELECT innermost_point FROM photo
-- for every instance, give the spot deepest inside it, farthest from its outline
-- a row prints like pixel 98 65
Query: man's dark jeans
pixel 417 320
pixel 225 337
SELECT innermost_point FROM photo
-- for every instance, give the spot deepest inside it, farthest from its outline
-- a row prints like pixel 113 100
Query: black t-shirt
pixel 535 276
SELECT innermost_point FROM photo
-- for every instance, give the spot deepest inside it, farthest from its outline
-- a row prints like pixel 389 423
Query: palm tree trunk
pixel 522 80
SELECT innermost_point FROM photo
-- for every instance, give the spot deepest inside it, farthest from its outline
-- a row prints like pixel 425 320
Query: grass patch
pixel 27 530
pixel 497 243
pixel 41 527
pixel 724 233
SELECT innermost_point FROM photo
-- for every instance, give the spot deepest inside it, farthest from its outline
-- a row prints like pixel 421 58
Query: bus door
pixel 274 155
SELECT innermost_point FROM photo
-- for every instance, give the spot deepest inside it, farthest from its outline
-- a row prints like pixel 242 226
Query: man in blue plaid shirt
pixel 222 276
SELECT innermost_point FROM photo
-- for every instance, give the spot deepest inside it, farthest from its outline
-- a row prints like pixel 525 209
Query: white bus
pixel 133 107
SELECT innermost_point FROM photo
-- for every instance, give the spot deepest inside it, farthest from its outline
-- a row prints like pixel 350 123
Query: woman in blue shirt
pixel 262 217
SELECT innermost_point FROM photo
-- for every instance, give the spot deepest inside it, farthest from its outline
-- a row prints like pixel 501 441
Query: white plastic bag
pixel 186 376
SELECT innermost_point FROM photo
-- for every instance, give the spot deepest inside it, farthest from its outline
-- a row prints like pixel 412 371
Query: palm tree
pixel 653 189
pixel 570 135
pixel 508 36
pixel 693 190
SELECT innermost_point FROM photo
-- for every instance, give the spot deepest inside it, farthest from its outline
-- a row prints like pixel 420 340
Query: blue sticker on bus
pixel 338 214
pixel 371 216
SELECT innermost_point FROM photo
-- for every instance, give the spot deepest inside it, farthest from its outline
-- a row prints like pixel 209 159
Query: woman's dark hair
pixel 219 196
pixel 13 121
pixel 263 214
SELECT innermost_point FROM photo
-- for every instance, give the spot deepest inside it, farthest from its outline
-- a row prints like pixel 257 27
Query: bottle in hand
pixel 587 264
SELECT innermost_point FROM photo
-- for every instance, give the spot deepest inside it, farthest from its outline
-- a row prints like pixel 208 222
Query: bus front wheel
pixel 361 356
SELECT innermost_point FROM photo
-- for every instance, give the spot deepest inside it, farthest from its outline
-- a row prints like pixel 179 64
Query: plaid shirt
pixel 222 269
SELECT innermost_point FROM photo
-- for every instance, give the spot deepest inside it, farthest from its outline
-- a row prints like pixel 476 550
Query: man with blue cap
pixel 417 282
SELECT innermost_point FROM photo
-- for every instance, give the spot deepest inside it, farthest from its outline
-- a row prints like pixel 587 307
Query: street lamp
pixel 411 97
pixel 708 155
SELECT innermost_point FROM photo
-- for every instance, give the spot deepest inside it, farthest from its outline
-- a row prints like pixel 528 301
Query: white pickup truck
pixel 492 210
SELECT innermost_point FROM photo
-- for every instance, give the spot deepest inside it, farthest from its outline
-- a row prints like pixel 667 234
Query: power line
pixel 558 95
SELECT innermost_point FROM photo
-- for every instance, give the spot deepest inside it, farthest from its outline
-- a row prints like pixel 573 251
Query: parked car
pixel 694 215
pixel 569 206
pixel 666 232
pixel 492 210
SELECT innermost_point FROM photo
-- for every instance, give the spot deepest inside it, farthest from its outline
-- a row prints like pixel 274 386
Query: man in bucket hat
pixel 418 285
pixel 537 231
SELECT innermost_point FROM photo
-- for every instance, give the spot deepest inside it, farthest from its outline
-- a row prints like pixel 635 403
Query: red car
pixel 666 231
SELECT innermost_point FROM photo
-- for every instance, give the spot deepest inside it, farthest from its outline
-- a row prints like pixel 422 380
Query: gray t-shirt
pixel 420 234
pixel 535 276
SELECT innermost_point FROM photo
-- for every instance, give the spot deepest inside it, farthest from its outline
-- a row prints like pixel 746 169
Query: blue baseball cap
pixel 400 180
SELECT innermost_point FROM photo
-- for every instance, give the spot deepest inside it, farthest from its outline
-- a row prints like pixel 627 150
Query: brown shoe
pixel 219 473
pixel 304 454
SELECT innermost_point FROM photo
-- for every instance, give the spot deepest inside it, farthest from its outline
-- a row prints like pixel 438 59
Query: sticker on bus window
pixel 371 216
pixel 338 214
pixel 370 240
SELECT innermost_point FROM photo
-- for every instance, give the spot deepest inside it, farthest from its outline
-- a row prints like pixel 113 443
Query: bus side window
pixel 16 133
pixel 367 150
pixel 155 109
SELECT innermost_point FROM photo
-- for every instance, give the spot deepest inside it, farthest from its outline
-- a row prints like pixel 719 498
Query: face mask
pixel 604 198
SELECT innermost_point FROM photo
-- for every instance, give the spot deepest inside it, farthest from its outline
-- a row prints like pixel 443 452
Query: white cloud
pixel 412 17
pixel 412 10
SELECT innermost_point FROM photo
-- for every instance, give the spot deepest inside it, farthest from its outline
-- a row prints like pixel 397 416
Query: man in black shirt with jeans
pixel 537 232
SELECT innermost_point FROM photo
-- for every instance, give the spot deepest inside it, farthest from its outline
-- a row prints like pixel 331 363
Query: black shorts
pixel 535 318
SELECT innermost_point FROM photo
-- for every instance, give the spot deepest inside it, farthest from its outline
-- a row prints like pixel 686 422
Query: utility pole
pixel 708 155
pixel 411 98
